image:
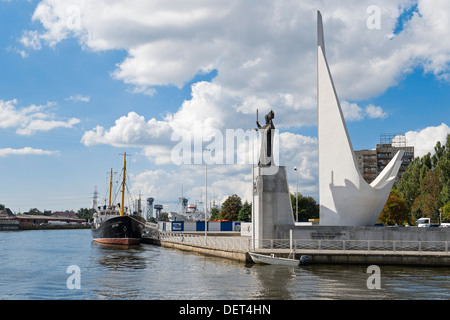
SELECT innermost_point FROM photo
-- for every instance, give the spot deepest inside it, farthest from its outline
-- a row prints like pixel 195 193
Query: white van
pixel 423 222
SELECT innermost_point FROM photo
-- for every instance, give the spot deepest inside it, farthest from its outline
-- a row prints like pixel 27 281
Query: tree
pixel 34 211
pixel 425 185
pixel 307 208
pixel 85 213
pixel 409 184
pixel 395 211
pixel 231 207
pixel 245 214
pixel 164 216
pixel 443 170
pixel 445 211
pixel 215 214
pixel 430 190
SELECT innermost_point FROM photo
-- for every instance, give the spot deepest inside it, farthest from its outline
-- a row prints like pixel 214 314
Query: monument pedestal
pixel 272 204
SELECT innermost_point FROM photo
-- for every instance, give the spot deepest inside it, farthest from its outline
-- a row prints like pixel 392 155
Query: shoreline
pixel 47 227
pixel 316 256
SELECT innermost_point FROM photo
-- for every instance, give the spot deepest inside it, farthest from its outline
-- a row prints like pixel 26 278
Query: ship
pixel 113 224
pixel 188 212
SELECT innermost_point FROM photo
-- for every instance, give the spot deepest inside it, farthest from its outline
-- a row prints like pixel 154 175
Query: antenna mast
pixel 123 183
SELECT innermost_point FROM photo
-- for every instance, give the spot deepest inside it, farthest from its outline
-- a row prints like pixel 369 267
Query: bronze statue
pixel 267 133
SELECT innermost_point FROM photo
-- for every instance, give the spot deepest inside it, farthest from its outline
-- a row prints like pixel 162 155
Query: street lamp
pixel 206 197
pixel 296 195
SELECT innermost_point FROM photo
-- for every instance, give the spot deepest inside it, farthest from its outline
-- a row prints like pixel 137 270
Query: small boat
pixel 271 259
pixel 112 225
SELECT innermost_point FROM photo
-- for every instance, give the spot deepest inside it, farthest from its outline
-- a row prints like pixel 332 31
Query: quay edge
pixel 407 258
pixel 237 255
pixel 429 259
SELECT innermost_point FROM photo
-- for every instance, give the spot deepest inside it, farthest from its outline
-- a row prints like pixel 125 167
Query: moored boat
pixel 271 259
pixel 113 225
pixel 116 229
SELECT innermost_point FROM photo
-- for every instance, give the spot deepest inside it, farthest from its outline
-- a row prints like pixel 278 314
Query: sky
pixel 82 82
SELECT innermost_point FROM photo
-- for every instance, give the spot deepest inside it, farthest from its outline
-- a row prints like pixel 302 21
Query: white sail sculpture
pixel 346 199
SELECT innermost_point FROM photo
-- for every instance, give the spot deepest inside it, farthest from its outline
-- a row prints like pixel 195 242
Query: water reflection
pixel 272 281
pixel 34 265
pixel 122 265
pixel 339 282
pixel 121 257
pixel 150 272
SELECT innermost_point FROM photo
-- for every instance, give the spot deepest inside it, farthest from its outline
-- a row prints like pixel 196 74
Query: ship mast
pixel 123 183
pixel 110 188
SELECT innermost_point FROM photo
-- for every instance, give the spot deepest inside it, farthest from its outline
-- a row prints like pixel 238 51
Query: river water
pixel 67 264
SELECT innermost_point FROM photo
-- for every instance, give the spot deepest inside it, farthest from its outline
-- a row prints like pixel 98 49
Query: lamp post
pixel 296 194
pixel 206 198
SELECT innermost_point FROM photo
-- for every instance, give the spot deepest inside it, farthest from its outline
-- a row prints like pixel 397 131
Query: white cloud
pixel 264 55
pixel 224 180
pixel 128 130
pixel 32 119
pixel 353 112
pixel 36 125
pixel 25 151
pixel 375 112
pixel 425 140
pixel 21 52
pixel 203 114
pixel 30 39
pixel 79 98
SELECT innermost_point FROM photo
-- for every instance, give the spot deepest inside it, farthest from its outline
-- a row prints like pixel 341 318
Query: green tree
pixel 409 184
pixel 164 216
pixel 231 207
pixel 215 214
pixel 245 214
pixel 47 213
pixel 307 208
pixel 426 183
pixel 430 190
pixel 85 213
pixel 443 169
pixel 34 211
pixel 395 211
pixel 445 211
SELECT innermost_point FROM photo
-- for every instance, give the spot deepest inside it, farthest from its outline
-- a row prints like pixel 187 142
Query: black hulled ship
pixel 116 229
pixel 113 225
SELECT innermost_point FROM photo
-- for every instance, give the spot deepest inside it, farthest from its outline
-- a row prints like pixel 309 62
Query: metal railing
pixel 246 244
pixel 371 245
pixel 230 243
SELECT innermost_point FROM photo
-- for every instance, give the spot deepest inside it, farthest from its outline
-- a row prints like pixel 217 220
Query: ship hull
pixel 122 230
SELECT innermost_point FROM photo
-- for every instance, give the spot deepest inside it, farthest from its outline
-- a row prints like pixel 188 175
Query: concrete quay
pixel 412 258
pixel 233 254
pixel 235 247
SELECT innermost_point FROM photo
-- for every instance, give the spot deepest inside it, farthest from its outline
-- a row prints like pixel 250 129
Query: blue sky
pixel 82 82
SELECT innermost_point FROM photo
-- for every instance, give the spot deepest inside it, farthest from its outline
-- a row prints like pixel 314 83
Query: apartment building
pixel 371 162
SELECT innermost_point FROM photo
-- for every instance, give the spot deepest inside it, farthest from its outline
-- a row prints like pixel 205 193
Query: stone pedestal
pixel 272 204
